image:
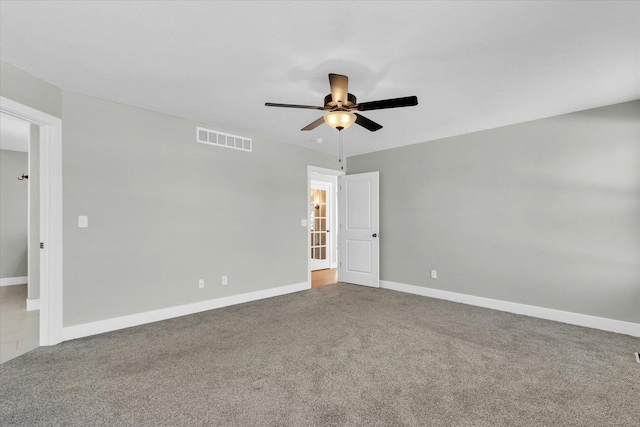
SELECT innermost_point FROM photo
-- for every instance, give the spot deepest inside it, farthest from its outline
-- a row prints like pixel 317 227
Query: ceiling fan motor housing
pixel 350 103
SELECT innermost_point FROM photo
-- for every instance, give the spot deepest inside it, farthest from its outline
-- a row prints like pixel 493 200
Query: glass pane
pixel 323 239
pixel 323 211
pixel 311 253
pixel 323 253
pixel 323 196
pixel 323 224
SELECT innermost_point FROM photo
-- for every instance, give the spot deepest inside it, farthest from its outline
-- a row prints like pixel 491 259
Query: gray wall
pixel 27 89
pixel 545 213
pixel 34 213
pixel 165 211
pixel 13 214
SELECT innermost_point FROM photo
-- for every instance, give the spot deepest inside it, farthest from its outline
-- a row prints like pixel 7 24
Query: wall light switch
pixel 304 223
pixel 224 280
pixel 434 274
pixel 83 221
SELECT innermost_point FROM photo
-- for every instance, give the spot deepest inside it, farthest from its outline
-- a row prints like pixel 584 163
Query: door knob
pixel 328 231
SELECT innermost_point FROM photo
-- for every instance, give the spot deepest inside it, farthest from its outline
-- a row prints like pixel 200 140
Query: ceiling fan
pixel 340 104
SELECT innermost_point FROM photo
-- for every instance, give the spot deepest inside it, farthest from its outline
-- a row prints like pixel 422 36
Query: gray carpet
pixel 336 355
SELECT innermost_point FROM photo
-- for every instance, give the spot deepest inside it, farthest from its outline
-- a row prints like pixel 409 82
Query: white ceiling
pixel 14 133
pixel 473 65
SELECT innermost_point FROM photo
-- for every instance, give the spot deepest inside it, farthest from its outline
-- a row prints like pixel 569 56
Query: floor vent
pixel 220 139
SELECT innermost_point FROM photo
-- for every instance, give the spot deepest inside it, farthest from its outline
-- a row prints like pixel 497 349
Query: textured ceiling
pixel 473 65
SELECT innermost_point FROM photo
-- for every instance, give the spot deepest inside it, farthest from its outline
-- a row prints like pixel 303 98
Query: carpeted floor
pixel 336 355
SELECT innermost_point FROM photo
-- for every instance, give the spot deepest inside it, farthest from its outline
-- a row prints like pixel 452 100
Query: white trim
pixel 50 216
pixel 11 281
pixel 33 304
pixel 108 325
pixel 586 320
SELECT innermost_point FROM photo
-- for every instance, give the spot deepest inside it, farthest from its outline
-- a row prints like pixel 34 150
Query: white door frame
pixel 50 216
pixel 310 171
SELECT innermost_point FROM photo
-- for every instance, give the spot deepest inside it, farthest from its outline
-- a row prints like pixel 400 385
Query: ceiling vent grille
pixel 220 139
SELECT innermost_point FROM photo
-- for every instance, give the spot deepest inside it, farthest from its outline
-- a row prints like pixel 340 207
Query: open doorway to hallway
pixel 323 233
pixel 19 237
pixel 49 247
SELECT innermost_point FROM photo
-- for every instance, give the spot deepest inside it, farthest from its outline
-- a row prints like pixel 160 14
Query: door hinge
pixel 41 245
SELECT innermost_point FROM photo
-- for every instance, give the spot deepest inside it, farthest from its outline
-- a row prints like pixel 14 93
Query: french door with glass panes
pixel 320 220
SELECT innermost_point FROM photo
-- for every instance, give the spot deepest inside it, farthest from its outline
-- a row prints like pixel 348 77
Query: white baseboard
pixel 594 322
pixel 10 281
pixel 108 325
pixel 33 304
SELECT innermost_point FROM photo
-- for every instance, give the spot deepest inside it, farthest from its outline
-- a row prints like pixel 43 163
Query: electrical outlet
pixel 201 283
pixel 434 274
pixel 224 280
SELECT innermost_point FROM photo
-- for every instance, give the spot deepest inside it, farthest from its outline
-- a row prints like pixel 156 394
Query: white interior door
pixel 320 215
pixel 359 233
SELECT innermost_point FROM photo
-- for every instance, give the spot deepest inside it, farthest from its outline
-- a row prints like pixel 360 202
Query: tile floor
pixel 19 328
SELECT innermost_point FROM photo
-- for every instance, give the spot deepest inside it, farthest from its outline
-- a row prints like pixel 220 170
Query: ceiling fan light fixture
pixel 340 119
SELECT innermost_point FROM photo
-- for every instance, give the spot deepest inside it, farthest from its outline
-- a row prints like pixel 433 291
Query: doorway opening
pixel 323 225
pixel 19 205
pixel 47 230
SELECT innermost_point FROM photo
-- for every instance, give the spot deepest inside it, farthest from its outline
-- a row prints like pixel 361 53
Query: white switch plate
pixel 201 283
pixel 304 223
pixel 224 280
pixel 83 221
pixel 434 274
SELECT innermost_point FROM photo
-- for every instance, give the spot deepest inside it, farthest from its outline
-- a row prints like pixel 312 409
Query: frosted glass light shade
pixel 340 119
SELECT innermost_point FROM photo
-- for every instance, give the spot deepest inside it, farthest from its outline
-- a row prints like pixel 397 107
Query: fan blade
pixel 366 123
pixel 339 88
pixel 308 107
pixel 407 101
pixel 314 125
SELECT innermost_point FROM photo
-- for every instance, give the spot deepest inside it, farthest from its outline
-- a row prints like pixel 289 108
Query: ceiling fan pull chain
pixel 340 153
